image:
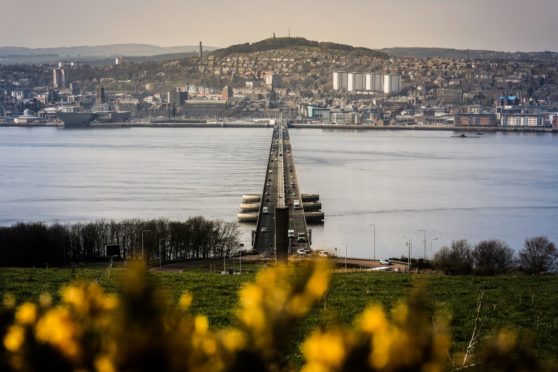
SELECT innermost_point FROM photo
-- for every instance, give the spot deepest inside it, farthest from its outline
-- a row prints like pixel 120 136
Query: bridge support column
pixel 282 234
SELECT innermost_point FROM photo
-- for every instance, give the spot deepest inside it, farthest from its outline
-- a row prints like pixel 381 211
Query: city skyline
pixel 475 24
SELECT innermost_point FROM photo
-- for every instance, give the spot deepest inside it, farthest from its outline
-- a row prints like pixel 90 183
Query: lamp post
pixel 374 226
pixel 142 251
pixel 346 249
pixel 409 247
pixel 431 240
pixel 424 241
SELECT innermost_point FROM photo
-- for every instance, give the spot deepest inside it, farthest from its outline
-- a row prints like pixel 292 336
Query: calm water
pixel 502 186
pixel 496 186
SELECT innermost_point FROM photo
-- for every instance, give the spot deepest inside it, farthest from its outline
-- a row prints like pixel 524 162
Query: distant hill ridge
pixel 418 52
pixel 99 51
pixel 294 43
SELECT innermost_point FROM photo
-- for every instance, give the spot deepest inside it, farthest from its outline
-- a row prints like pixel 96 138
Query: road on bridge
pixel 281 190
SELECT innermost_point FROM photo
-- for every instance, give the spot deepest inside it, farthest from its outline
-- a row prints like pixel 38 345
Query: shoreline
pixel 294 126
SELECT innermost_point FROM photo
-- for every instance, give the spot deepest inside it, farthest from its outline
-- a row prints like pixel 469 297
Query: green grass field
pixel 528 304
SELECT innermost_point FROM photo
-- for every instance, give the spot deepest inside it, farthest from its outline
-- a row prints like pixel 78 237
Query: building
pixel 273 80
pixel 448 95
pixel 340 80
pixel 476 120
pixel 319 113
pixel 374 82
pixel 227 93
pixel 523 120
pixel 59 78
pixel 177 98
pixel 356 82
pixel 121 61
pixel 359 82
pixel 392 84
pixel 100 97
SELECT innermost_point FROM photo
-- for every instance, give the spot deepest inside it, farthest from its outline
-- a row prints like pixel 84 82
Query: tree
pixel 492 257
pixel 456 260
pixel 538 255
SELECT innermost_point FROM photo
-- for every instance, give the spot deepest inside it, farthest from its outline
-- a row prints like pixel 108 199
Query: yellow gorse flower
pixel 26 313
pixel 14 338
pixel 140 330
pixel 58 329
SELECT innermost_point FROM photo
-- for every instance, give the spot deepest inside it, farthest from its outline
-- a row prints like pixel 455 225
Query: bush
pixel 455 261
pixel 492 257
pixel 538 255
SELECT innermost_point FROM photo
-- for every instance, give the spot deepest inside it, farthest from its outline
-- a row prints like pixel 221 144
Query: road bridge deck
pixel 281 190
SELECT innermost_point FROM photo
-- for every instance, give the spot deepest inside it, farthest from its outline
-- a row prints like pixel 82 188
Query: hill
pixel 10 54
pixel 296 43
pixel 472 54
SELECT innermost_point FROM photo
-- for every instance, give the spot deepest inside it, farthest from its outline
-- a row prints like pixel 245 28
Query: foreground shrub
pixel 140 330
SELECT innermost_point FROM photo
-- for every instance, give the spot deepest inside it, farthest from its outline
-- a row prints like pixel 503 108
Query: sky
pixel 508 25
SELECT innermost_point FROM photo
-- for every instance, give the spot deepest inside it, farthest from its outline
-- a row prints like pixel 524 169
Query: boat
pixel 76 119
pixel 112 116
pixel 27 118
pixel 73 118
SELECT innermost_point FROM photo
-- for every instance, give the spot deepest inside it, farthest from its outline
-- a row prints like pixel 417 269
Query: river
pixel 502 186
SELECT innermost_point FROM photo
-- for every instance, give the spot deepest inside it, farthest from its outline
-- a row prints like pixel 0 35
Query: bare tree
pixel 538 255
pixel 456 260
pixel 492 257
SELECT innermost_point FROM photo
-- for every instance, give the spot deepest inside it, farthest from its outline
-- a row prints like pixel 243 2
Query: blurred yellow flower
pixel 45 300
pixel 506 340
pixel 233 339
pixel 201 324
pixel 324 350
pixel 185 300
pixel 104 364
pixel 14 338
pixel 9 301
pixel 26 313
pixel 57 328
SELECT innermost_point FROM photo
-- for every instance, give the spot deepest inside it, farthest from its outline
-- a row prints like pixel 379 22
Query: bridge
pixel 281 200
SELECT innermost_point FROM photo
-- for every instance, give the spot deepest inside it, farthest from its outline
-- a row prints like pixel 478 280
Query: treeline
pixel 40 244
pixel 493 257
pixel 295 42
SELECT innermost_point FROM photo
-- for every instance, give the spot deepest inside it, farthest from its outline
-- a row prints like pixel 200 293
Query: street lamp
pixel 142 251
pixel 431 240
pixel 346 256
pixel 409 247
pixel 424 231
pixel 374 226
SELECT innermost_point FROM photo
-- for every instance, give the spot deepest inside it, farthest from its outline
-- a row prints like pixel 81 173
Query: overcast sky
pixel 527 25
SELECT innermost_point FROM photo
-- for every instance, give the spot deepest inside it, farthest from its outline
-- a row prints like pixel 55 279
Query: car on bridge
pixel 263 229
pixel 302 251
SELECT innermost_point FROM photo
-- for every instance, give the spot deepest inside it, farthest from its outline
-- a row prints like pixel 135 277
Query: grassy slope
pixel 519 302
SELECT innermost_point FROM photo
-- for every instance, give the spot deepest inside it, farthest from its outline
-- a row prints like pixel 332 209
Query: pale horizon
pixel 501 25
